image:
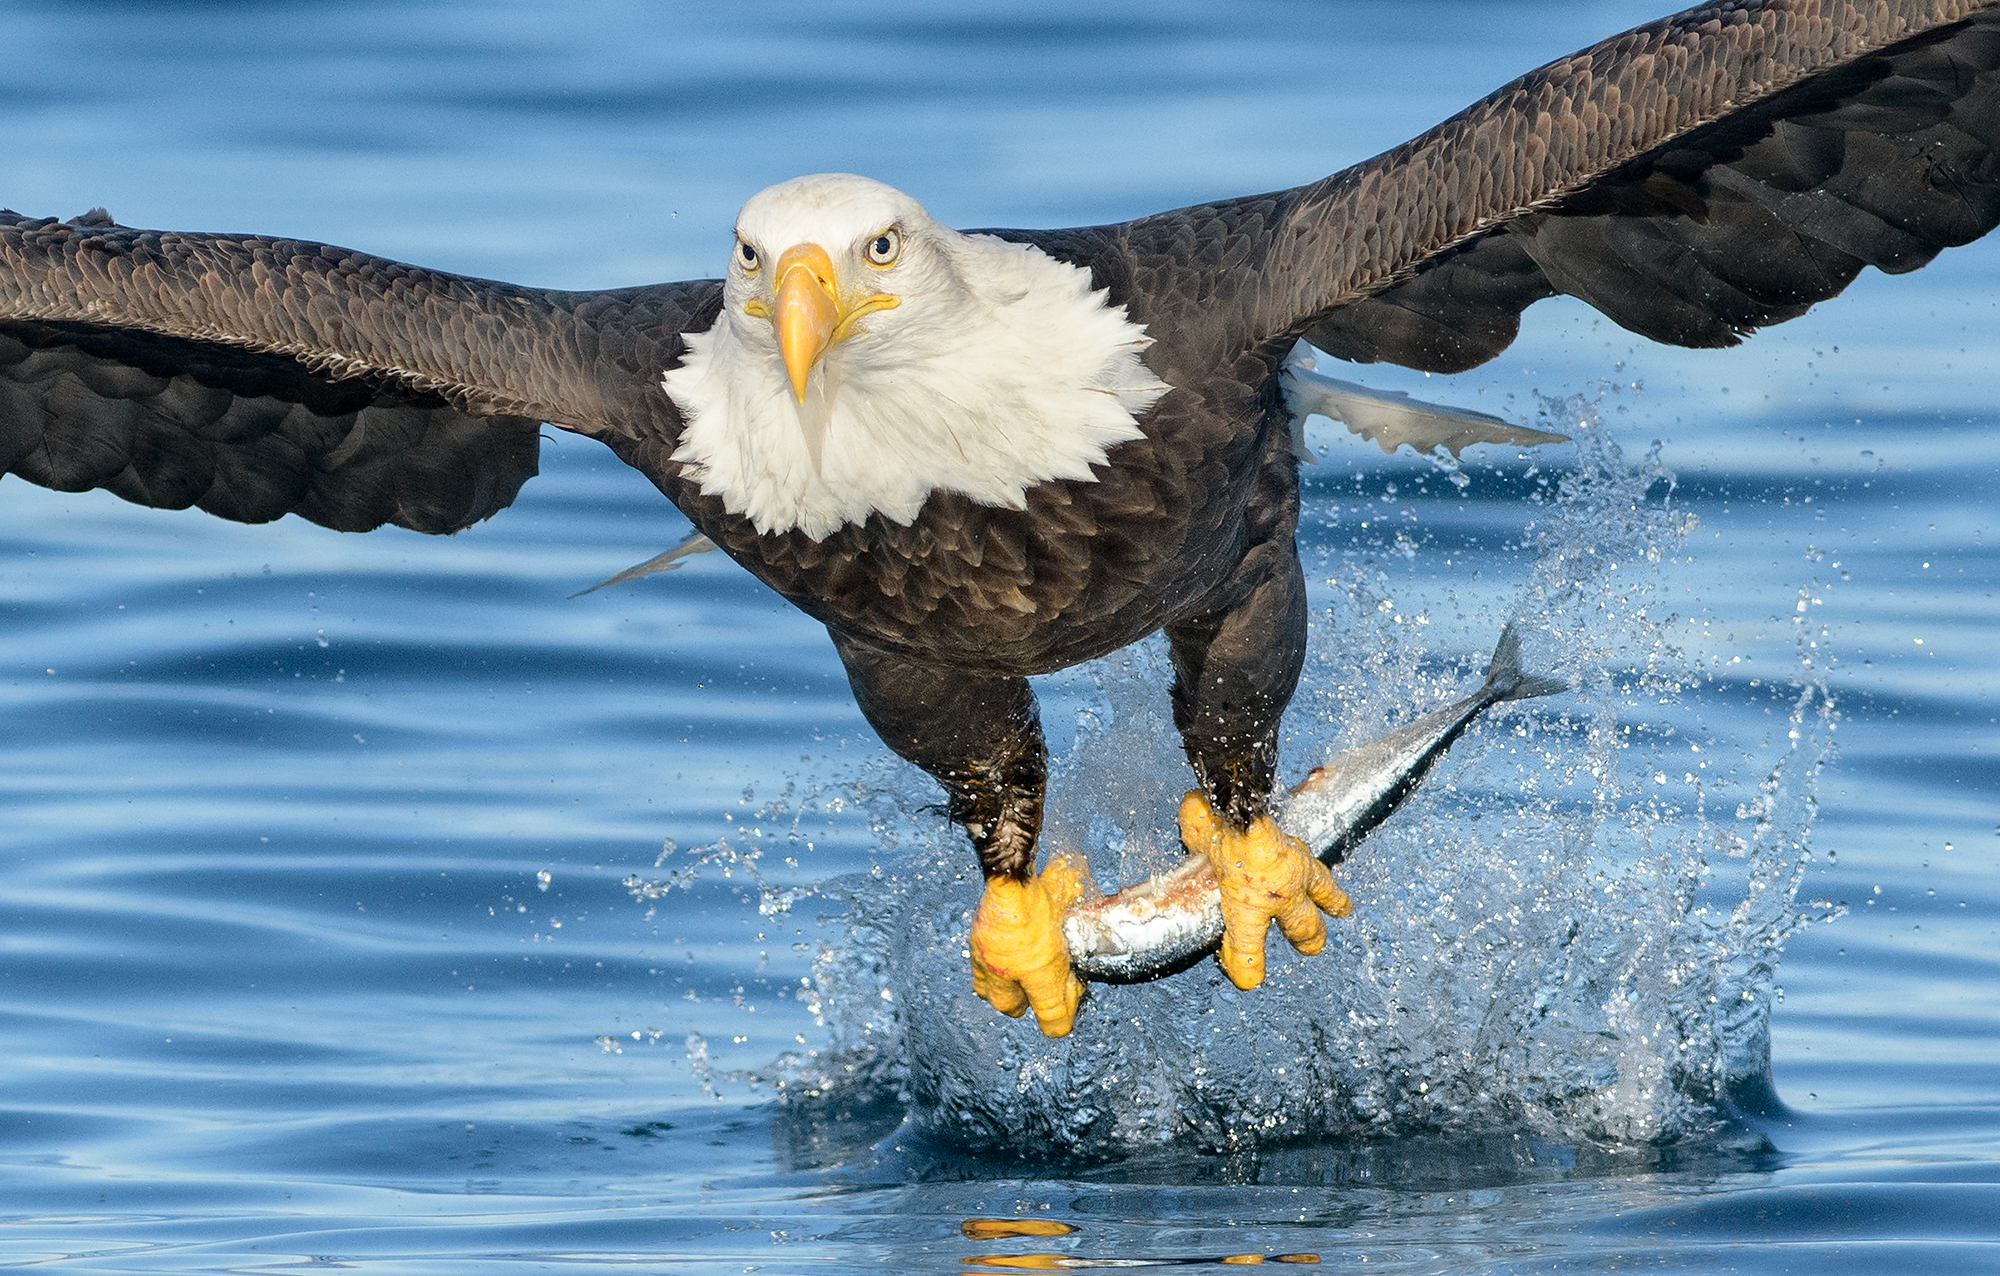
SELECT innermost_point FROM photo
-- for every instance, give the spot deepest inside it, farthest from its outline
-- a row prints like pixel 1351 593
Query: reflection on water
pixel 1082 1262
pixel 982 1229
pixel 993 1229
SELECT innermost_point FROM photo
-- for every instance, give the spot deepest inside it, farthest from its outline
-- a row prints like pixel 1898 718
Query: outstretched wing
pixel 255 377
pixel 1693 179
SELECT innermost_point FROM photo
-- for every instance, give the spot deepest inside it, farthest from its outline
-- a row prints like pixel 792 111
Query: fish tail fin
pixel 1504 679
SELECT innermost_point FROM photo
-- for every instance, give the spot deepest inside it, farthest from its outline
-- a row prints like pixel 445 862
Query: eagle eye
pixel 883 248
pixel 747 256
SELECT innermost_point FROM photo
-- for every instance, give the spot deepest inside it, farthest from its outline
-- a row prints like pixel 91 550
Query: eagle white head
pixel 867 356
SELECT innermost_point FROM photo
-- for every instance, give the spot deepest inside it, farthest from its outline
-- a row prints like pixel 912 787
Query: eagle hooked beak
pixel 809 315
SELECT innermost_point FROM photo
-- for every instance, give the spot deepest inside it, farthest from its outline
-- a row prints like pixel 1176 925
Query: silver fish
pixel 1172 920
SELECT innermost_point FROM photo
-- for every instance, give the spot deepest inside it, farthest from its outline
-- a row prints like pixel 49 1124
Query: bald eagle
pixel 981 456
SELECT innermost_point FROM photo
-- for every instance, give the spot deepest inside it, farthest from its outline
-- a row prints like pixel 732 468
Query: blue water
pixel 335 921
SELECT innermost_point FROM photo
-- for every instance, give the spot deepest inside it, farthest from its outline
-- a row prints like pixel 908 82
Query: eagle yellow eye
pixel 746 256
pixel 883 248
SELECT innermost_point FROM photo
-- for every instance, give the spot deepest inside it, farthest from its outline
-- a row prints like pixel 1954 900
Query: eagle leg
pixel 981 738
pixel 1236 664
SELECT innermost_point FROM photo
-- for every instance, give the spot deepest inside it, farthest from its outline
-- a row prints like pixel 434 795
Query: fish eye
pixel 747 256
pixel 883 248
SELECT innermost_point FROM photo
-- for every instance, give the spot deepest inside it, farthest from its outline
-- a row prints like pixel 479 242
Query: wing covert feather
pixel 254 377
pixel 1694 179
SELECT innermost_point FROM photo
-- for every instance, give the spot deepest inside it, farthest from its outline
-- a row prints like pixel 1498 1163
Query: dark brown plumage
pixel 1692 179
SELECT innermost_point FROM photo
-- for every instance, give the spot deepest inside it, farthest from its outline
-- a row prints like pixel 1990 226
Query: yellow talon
pixel 1266 875
pixel 1019 959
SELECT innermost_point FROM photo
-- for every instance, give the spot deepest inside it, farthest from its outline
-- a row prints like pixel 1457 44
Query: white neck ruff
pixel 1005 370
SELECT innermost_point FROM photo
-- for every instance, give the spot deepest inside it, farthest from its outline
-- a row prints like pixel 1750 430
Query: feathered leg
pixel 982 739
pixel 1236 664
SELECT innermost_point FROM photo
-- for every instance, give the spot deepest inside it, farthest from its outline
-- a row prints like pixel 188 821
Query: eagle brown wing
pixel 1693 179
pixel 255 377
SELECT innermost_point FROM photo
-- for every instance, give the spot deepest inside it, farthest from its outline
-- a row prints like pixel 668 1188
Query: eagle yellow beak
pixel 809 315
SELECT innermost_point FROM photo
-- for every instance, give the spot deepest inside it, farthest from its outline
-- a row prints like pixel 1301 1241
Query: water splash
pixel 1543 940
pixel 786 815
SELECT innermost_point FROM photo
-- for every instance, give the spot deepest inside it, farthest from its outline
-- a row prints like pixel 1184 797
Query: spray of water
pixel 1571 931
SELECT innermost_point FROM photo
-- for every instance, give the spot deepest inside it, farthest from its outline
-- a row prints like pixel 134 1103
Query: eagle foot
pixel 1019 959
pixel 1266 875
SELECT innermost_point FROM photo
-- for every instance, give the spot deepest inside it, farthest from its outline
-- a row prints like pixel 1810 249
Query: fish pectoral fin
pixel 1266 875
pixel 1391 418
pixel 1317 778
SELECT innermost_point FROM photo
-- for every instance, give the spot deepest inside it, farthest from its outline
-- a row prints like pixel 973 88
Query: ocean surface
pixel 369 902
